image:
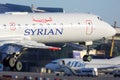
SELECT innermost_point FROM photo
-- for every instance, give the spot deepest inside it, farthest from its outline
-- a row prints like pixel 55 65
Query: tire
pixel 12 62
pixel 87 58
pixel 18 66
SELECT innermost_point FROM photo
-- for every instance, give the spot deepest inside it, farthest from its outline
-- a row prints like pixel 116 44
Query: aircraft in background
pixel 57 65
pixel 77 64
pixel 105 65
pixel 33 30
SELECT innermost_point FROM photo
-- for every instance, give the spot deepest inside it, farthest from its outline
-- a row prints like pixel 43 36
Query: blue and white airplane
pixel 72 63
pixel 33 30
pixel 77 64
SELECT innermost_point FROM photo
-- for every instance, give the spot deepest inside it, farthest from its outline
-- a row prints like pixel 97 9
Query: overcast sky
pixel 109 10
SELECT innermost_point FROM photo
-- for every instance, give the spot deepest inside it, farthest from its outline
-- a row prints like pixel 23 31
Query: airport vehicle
pixel 93 72
pixel 33 30
pixel 87 72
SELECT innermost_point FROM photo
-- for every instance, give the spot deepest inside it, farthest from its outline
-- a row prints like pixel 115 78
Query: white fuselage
pixel 68 62
pixel 55 27
pixel 79 63
pixel 103 63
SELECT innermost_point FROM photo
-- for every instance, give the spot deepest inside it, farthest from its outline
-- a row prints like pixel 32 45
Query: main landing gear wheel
pixel 12 62
pixel 18 66
pixel 87 58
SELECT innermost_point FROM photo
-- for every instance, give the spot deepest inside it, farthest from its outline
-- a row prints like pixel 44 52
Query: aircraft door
pixel 12 26
pixel 89 27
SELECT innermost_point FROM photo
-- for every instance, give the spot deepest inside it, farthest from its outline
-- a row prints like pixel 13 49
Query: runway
pixel 52 76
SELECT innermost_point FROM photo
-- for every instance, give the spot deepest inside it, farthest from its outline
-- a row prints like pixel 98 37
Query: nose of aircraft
pixel 113 31
pixel 110 31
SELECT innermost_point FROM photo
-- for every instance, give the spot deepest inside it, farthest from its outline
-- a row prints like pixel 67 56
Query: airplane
pixel 73 63
pixel 66 65
pixel 102 65
pixel 36 29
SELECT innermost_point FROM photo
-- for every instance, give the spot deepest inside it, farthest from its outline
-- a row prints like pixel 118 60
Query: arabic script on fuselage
pixel 44 20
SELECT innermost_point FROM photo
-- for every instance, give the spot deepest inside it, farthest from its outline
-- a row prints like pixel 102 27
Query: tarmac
pixel 5 75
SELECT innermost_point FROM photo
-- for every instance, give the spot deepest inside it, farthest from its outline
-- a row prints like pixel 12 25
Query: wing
pixel 25 42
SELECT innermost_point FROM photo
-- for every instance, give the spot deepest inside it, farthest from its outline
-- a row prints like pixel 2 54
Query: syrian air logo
pixel 40 20
pixel 44 31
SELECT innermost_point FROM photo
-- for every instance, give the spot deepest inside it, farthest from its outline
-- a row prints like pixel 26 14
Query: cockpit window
pixel 99 18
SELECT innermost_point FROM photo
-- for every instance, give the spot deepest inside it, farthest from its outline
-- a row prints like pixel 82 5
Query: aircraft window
pixel 70 23
pixel 89 23
pixel 99 18
pixel 41 24
pixel 33 24
pixel 54 24
pixel 26 24
pixel 18 24
pixel 4 24
pixel 48 24
pixel 78 22
pixel 61 23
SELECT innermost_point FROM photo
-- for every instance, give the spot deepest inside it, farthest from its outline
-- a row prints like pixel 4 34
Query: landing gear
pixel 12 62
pixel 87 57
pixel 18 66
